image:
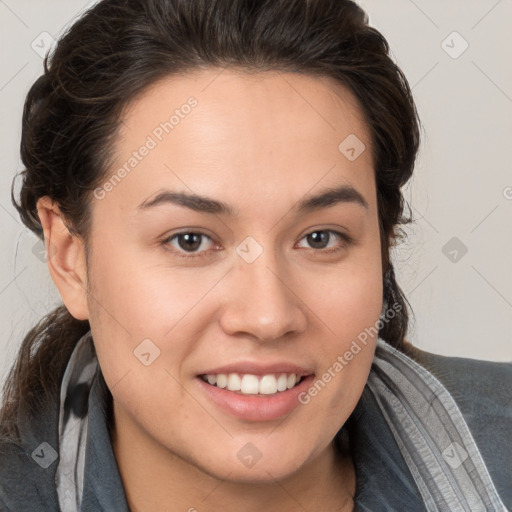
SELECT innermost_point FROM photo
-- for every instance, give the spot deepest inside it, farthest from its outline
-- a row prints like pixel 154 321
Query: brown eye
pixel 187 242
pixel 318 239
pixel 321 238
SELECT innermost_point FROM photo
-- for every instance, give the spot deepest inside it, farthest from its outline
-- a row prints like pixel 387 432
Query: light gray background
pixel 462 187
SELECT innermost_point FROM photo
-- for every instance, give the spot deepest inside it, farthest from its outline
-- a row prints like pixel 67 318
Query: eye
pixel 187 242
pixel 320 238
pixel 191 244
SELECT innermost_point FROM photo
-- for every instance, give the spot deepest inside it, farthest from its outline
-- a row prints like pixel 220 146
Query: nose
pixel 262 300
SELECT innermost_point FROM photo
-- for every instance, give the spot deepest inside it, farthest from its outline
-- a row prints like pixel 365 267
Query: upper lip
pixel 255 368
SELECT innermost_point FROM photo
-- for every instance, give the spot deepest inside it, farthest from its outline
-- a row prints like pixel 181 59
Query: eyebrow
pixel 326 198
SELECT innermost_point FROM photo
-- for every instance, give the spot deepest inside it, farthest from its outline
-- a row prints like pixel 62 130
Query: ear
pixel 66 258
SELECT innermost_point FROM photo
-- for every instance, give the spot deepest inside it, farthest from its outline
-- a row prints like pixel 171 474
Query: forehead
pixel 320 103
pixel 218 130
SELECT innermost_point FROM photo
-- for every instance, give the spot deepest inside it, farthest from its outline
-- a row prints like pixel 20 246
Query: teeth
pixel 268 385
pixel 234 382
pixel 222 380
pixel 249 384
pixel 282 382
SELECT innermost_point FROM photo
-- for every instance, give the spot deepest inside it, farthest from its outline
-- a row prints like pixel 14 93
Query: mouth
pixel 250 384
pixel 254 398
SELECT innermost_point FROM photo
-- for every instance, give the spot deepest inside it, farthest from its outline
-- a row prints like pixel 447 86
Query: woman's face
pixel 252 279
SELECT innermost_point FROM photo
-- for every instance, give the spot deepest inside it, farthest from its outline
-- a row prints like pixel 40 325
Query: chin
pixel 252 467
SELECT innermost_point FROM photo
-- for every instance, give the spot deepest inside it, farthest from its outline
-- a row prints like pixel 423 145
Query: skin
pixel 260 143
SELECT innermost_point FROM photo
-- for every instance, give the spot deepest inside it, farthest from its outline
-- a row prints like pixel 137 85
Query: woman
pixel 218 187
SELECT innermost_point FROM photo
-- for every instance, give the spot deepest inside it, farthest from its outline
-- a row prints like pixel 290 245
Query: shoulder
pixel 470 381
pixel 483 392
pixel 24 484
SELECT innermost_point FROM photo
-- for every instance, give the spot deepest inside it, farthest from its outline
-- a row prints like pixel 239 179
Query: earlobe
pixel 66 258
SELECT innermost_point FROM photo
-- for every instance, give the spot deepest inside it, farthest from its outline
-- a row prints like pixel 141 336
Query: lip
pixel 256 408
pixel 259 369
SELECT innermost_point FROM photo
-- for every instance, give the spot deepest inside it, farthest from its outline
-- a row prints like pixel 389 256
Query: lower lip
pixel 256 407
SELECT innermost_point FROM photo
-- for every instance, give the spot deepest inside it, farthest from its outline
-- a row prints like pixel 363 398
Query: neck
pixel 153 478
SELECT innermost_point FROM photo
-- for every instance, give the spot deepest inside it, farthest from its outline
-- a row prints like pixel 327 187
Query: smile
pixel 248 384
pixel 254 398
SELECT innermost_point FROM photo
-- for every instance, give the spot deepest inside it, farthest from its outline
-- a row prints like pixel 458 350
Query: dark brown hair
pixel 119 48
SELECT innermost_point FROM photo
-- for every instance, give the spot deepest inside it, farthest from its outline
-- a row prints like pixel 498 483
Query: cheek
pixel 348 303
pixel 133 308
pixel 131 302
pixel 353 301
pixel 145 298
pixel 347 298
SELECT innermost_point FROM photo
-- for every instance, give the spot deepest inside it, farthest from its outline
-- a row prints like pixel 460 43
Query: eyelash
pixel 346 240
